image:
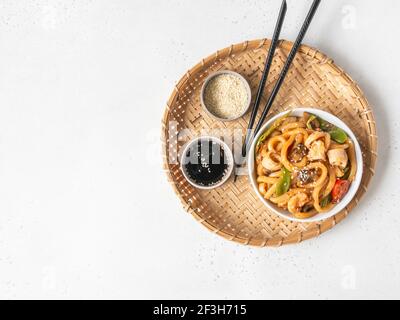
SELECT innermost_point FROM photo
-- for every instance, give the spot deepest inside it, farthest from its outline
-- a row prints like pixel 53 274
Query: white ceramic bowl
pixel 228 157
pixel 353 188
pixel 212 76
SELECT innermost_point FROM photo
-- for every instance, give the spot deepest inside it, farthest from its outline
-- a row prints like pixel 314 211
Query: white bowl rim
pixel 215 74
pixel 228 154
pixel 353 188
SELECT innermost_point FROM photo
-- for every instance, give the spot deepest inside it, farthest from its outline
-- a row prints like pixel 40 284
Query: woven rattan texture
pixel 234 211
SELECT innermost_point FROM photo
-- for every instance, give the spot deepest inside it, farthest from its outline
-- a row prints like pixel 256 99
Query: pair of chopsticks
pixel 250 133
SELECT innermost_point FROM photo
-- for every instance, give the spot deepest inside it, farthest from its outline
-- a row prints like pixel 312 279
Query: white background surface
pixel 85 210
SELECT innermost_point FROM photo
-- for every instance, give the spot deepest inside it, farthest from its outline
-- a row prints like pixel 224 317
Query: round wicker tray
pixel 233 210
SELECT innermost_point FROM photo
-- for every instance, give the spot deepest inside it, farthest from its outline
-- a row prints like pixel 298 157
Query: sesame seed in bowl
pixel 226 95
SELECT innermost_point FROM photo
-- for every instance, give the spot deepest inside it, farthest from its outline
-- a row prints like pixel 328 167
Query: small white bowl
pixel 354 185
pixel 212 76
pixel 228 158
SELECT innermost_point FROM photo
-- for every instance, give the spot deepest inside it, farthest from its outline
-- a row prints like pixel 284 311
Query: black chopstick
pixel 281 78
pixel 261 87
pixel 288 63
pixel 267 67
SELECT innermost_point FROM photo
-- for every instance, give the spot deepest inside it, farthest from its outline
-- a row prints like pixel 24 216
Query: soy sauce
pixel 205 163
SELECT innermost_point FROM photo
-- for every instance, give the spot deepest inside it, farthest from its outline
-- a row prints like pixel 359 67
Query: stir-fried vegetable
pixel 312 122
pixel 307 208
pixel 325 125
pixel 271 129
pixel 346 172
pixel 340 190
pixel 284 182
pixel 298 153
pixel 326 201
pixel 336 133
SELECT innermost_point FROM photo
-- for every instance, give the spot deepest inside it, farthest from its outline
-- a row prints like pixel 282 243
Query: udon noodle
pixel 304 165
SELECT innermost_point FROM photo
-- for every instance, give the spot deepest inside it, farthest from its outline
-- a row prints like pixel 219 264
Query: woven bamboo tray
pixel 234 211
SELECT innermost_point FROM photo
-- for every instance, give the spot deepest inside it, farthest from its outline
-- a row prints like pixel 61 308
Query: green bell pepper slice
pixel 283 185
pixel 310 120
pixel 337 134
pixel 326 201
